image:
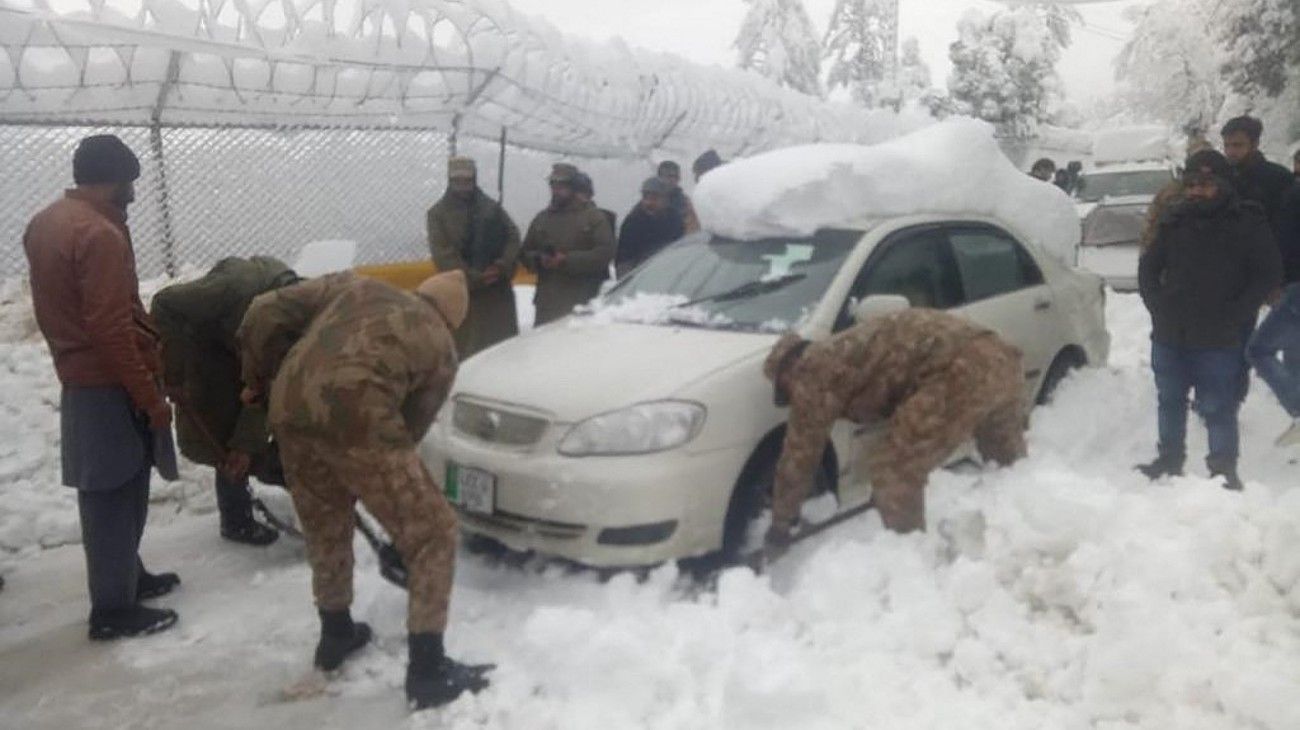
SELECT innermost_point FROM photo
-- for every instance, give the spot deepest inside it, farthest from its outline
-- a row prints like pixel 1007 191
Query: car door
pixel 916 263
pixel 1004 290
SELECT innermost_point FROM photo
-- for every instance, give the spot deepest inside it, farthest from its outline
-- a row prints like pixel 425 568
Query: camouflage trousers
pixel 978 395
pixel 326 480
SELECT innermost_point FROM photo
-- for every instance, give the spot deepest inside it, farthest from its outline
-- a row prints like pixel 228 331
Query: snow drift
pixel 954 168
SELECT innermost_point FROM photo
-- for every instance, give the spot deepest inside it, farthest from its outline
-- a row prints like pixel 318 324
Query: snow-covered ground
pixel 1062 593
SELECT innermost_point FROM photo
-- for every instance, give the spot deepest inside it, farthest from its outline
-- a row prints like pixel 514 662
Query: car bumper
pixel 615 511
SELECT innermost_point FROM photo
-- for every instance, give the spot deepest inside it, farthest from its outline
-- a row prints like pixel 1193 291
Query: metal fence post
pixel 156 144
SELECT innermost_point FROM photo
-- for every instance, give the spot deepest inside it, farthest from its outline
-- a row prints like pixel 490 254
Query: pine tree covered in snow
pixel 1004 66
pixel 1262 40
pixel 778 41
pixel 859 43
pixel 913 72
pixel 1170 66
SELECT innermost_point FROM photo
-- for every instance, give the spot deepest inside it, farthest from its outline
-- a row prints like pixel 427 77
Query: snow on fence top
pixel 952 168
pixel 475 66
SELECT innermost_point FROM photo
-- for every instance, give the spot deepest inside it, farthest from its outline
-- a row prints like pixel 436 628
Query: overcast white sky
pixel 703 31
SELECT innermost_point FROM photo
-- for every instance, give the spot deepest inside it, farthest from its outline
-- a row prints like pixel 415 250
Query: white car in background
pixel 1130 181
pixel 644 430
pixel 1112 202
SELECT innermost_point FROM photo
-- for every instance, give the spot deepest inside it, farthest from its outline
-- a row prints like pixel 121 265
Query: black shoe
pixel 340 637
pixel 127 622
pixel 1164 466
pixel 250 533
pixel 152 586
pixel 433 679
pixel 1231 481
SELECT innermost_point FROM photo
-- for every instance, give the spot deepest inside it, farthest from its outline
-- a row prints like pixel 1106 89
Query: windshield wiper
pixel 747 290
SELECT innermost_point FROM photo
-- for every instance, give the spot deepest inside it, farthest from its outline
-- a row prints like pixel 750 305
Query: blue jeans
pixel 1216 376
pixel 1275 350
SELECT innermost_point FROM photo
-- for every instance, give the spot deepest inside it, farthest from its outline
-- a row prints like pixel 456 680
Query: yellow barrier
pixel 409 274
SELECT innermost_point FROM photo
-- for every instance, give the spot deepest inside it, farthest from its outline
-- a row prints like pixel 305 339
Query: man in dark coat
pixel 570 245
pixel 1254 177
pixel 116 425
pixel 470 232
pixel 584 188
pixel 671 173
pixel 708 160
pixel 198 321
pixel 1203 279
pixel 650 226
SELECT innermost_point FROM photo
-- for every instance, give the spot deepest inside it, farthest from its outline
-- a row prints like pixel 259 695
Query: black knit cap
pixel 103 158
pixel 1211 160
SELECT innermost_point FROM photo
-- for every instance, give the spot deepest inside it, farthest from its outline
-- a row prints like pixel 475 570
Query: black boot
pixel 433 680
pixel 153 585
pixel 1228 471
pixel 250 532
pixel 1166 465
pixel 127 622
pixel 340 636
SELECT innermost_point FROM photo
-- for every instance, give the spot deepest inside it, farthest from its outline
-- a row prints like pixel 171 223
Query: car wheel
pixel 1066 361
pixel 753 495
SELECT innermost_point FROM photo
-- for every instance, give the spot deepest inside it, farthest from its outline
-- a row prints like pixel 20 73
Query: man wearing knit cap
pixel 570 246
pixel 356 371
pixel 116 425
pixel 651 225
pixel 470 232
pixel 1210 266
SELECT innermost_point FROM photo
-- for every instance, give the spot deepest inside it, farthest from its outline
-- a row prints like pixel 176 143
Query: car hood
pixel 574 370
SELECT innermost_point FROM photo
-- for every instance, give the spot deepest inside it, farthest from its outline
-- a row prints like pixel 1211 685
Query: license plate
pixel 472 489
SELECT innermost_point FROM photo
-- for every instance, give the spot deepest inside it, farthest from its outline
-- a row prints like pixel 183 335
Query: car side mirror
pixel 878 305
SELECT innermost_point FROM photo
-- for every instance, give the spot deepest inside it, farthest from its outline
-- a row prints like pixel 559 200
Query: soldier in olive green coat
pixel 570 245
pixel 470 232
pixel 198 321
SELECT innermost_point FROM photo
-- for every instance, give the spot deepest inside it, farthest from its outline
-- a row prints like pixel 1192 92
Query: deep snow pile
pixel 1062 593
pixel 954 167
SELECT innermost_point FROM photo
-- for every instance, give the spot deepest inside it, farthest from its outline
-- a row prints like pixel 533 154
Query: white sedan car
pixel 645 431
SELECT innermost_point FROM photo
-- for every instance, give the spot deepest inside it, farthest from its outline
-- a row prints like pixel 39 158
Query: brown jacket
pixel 87 299
pixel 583 233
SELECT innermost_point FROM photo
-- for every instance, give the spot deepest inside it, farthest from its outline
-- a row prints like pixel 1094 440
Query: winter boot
pixel 125 622
pixel 433 680
pixel 1228 471
pixel 1165 465
pixel 151 585
pixel 249 532
pixel 340 636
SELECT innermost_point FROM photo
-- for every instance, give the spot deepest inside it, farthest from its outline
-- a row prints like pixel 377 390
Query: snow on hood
pixel 576 370
pixel 954 167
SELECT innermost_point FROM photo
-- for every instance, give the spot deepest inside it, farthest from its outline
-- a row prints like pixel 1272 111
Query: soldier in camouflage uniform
pixel 357 371
pixel 197 321
pixel 936 378
pixel 570 245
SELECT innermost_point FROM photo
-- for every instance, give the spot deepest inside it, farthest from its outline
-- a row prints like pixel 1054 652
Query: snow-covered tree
pixel 1262 43
pixel 778 41
pixel 1170 66
pixel 1004 66
pixel 859 41
pixel 913 72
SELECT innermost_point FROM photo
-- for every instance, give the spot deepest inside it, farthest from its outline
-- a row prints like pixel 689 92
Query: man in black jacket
pixel 1211 266
pixel 1255 178
pixel 651 225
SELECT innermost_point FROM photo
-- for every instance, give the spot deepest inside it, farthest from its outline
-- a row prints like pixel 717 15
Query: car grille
pixel 519 523
pixel 496 426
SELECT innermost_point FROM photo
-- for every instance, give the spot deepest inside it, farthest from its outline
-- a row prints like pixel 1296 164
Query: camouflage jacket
pixel 198 321
pixel 353 359
pixel 861 374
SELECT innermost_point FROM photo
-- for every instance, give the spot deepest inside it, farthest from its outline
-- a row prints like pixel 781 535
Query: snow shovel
pixel 757 559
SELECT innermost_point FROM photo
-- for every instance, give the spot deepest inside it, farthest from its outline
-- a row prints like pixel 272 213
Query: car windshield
pixel 722 283
pixel 1097 185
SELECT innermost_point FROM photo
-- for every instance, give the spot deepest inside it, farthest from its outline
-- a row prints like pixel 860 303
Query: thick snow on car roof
pixel 954 167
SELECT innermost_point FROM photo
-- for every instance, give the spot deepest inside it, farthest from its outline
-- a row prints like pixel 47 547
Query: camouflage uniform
pixel 360 369
pixel 938 379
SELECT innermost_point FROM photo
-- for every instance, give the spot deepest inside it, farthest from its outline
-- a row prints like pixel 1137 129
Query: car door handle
pixel 1042 305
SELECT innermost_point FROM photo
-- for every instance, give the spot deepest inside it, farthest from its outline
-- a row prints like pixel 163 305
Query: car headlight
pixel 641 429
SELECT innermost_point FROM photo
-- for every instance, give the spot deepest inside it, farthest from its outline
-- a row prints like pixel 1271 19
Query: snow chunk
pixel 953 168
pixel 646 308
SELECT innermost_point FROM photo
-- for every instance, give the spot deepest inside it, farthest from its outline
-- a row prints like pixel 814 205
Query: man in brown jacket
pixel 116 425
pixel 470 232
pixel 570 245
pixel 937 379
pixel 356 371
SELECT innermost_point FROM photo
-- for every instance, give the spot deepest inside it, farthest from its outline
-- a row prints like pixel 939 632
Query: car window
pixel 915 264
pixel 991 262
pixel 1094 186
